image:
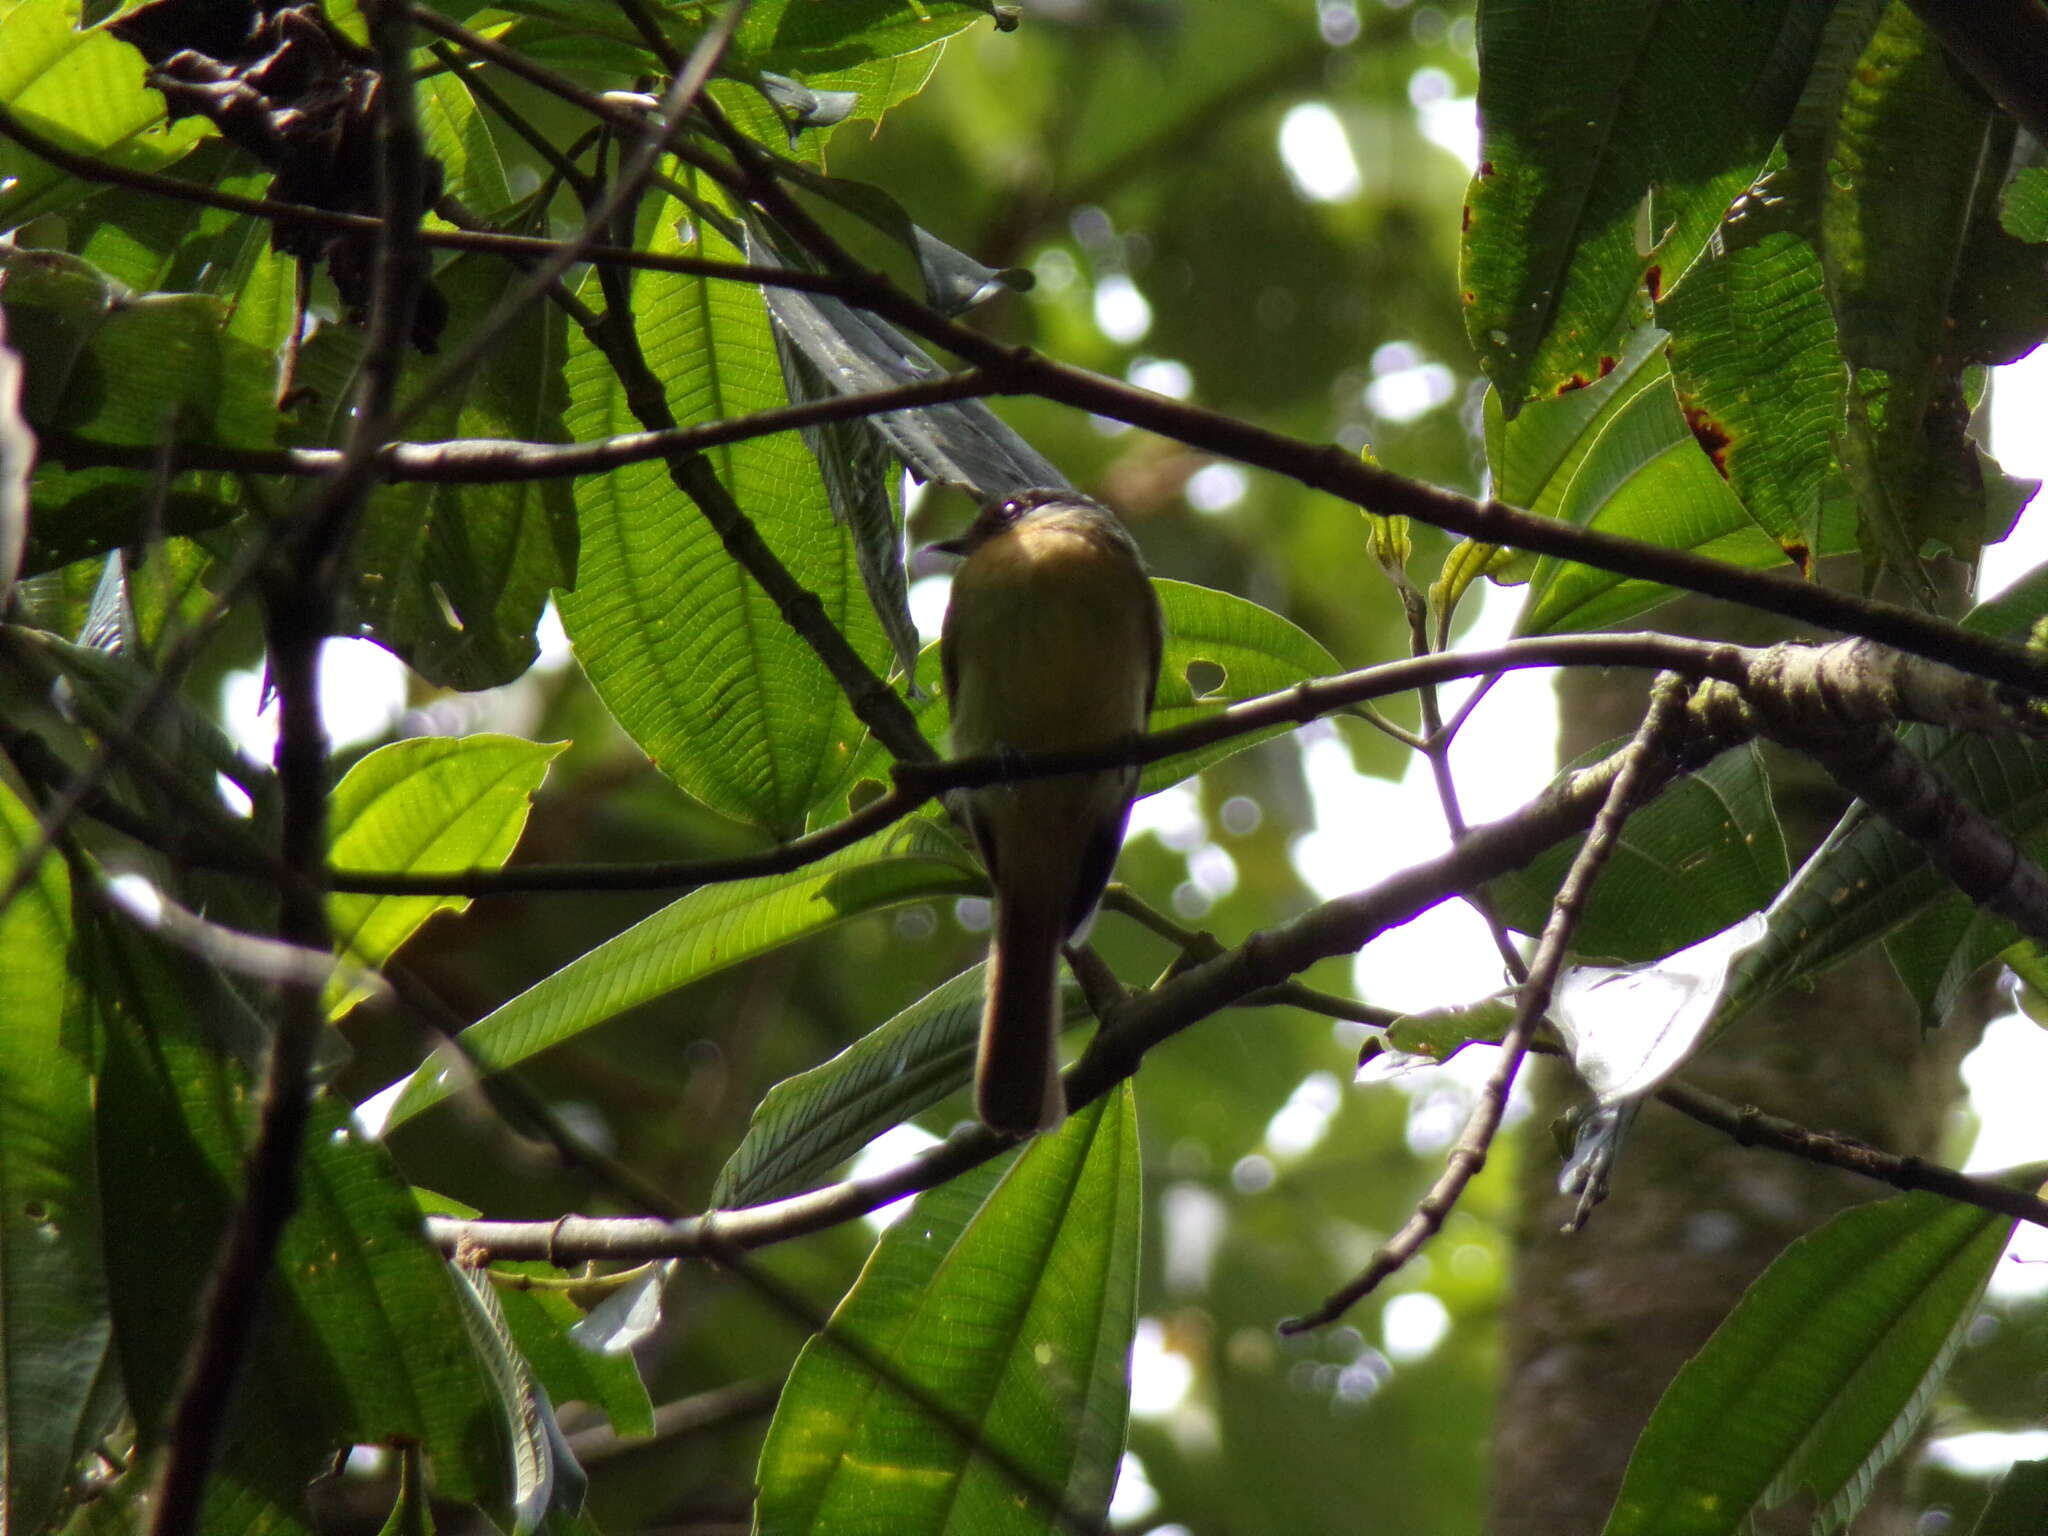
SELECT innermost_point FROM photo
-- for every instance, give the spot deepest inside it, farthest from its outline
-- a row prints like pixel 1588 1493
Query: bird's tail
pixel 1017 1074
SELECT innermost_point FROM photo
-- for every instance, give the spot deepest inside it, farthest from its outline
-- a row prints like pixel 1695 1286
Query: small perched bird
pixel 1051 643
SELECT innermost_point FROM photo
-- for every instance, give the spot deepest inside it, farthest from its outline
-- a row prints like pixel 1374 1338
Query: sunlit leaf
pixel 703 933
pixel 1819 1376
pixel 1617 166
pixel 54 1334
pixel 975 1379
pixel 427 805
pixel 683 646
pixel 83 89
pixel 810 1122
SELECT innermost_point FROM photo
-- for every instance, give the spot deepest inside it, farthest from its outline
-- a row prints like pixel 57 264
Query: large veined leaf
pixel 2024 212
pixel 808 1123
pixel 84 90
pixel 975 1380
pixel 460 134
pixel 1714 834
pixel 685 649
pixel 132 368
pixel 1534 456
pixel 1894 148
pixel 1819 1376
pixel 705 932
pixel 428 805
pixel 360 1338
pixel 1758 368
pixel 1613 134
pixel 54 1334
pixel 1258 651
pixel 1643 477
pixel 540 1322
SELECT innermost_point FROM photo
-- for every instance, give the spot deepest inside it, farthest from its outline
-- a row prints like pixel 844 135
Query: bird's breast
pixel 1050 630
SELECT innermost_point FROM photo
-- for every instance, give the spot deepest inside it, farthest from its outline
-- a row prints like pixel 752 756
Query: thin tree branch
pixel 1468 1156
pixel 1752 1127
pixel 524 247
pixel 1146 1019
pixel 498 461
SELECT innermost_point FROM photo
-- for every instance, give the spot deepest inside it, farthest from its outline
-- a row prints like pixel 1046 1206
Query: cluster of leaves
pixel 1736 315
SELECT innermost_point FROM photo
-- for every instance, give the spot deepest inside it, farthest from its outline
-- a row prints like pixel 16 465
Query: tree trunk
pixel 1598 1323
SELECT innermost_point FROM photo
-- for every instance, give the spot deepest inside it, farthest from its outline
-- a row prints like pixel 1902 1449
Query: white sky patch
pixel 2004 1075
pixel 1987 1451
pixel 2019 437
pixel 1412 1324
pixel 1450 122
pixel 1366 828
pixel 928 598
pixel 1193 1220
pixel 1408 393
pixel 1174 816
pixel 1317 153
pixel 553 640
pixel 893 1148
pixel 1163 376
pixel 1299 1124
pixel 1135 1497
pixel 362 694
pixel 1160 1376
pixel 1216 487
pixel 1122 313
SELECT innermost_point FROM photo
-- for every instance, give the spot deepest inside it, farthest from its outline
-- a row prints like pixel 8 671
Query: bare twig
pixel 1468 1156
pixel 498 461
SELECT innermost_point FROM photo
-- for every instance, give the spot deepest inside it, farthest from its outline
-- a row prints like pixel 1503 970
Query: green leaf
pixel 412 1513
pixel 1895 148
pixel 85 91
pixel 1644 477
pixel 1258 651
pixel 808 1123
pixel 795 38
pixel 2024 213
pixel 453 578
pixel 703 933
pixel 1937 952
pixel 1713 834
pixel 1819 1376
pixel 1534 457
pixel 1638 103
pixel 54 1335
pixel 1006 1305
pixel 1758 369
pixel 2015 1509
pixel 459 134
pixel 609 1381
pixel 428 805
pixel 686 651
pixel 128 368
pixel 359 1338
